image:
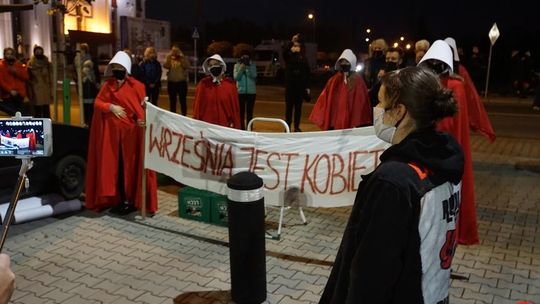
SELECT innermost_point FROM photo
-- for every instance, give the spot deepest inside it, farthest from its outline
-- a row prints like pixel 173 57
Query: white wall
pixel 6 37
pixel 124 8
pixel 37 28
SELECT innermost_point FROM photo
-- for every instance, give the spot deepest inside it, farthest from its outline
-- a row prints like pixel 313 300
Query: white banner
pixel 319 169
pixel 15 143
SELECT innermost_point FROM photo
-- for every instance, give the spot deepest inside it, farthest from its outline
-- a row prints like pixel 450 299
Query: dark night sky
pixel 390 19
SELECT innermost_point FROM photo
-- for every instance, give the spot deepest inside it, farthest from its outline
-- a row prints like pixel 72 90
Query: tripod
pixel 25 166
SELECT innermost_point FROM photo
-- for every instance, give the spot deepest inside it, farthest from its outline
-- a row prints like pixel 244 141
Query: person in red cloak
pixel 115 158
pixel 344 102
pixel 478 118
pixel 216 96
pixel 439 59
pixel 13 78
pixel 32 139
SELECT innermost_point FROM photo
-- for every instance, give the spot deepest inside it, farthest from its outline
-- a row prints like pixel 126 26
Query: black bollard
pixel 247 250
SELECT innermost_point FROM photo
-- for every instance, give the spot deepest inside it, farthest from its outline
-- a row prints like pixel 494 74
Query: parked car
pixel 63 172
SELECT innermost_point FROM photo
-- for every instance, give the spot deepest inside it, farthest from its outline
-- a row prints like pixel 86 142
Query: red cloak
pixel 13 80
pixel 478 118
pixel 342 105
pixel 110 136
pixel 217 103
pixel 32 140
pixel 458 126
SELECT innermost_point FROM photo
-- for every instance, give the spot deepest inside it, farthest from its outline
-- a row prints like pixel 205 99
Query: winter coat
pixel 245 78
pixel 297 73
pixel 151 72
pixel 41 81
pixel 90 84
pixel 178 67
pixel 13 79
pixel 400 239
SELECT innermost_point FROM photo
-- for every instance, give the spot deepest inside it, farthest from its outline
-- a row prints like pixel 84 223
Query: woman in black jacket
pixel 400 239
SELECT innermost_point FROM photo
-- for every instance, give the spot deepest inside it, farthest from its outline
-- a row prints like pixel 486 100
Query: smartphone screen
pixel 28 137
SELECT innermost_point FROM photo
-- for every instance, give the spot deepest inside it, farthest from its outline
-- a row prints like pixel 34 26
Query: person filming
pixel 245 74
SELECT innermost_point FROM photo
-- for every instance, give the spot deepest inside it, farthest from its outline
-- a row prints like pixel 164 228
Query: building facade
pixel 97 20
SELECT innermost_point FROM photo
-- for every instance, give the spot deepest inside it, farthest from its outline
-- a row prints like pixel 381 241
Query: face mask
pixel 383 131
pixel 390 66
pixel 216 70
pixel 40 56
pixel 345 68
pixel 10 61
pixel 377 54
pixel 119 74
pixel 437 67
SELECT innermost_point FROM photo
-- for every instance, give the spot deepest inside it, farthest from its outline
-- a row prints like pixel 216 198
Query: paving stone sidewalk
pixel 99 258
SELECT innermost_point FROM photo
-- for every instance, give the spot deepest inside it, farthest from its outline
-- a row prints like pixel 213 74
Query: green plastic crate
pixel 194 204
pixel 218 208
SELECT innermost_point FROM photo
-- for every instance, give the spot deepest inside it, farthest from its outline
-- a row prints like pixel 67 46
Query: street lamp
pixel 311 17
pixel 401 38
pixel 368 31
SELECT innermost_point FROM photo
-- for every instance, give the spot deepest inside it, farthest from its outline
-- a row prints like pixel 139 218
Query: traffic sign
pixel 494 34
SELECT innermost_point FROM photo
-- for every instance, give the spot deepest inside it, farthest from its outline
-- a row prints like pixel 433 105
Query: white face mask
pixel 383 131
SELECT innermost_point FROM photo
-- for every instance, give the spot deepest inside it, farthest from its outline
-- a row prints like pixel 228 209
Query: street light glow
pixel 408 46
pixel 396 44
pixel 311 17
pixel 368 31
pixel 367 39
pixel 401 38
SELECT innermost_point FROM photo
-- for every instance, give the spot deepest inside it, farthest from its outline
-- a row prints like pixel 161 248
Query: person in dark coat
pixel 376 62
pixel 151 74
pixel 296 81
pixel 400 239
pixel 393 61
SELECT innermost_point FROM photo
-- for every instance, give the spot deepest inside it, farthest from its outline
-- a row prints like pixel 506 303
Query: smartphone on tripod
pixel 23 138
